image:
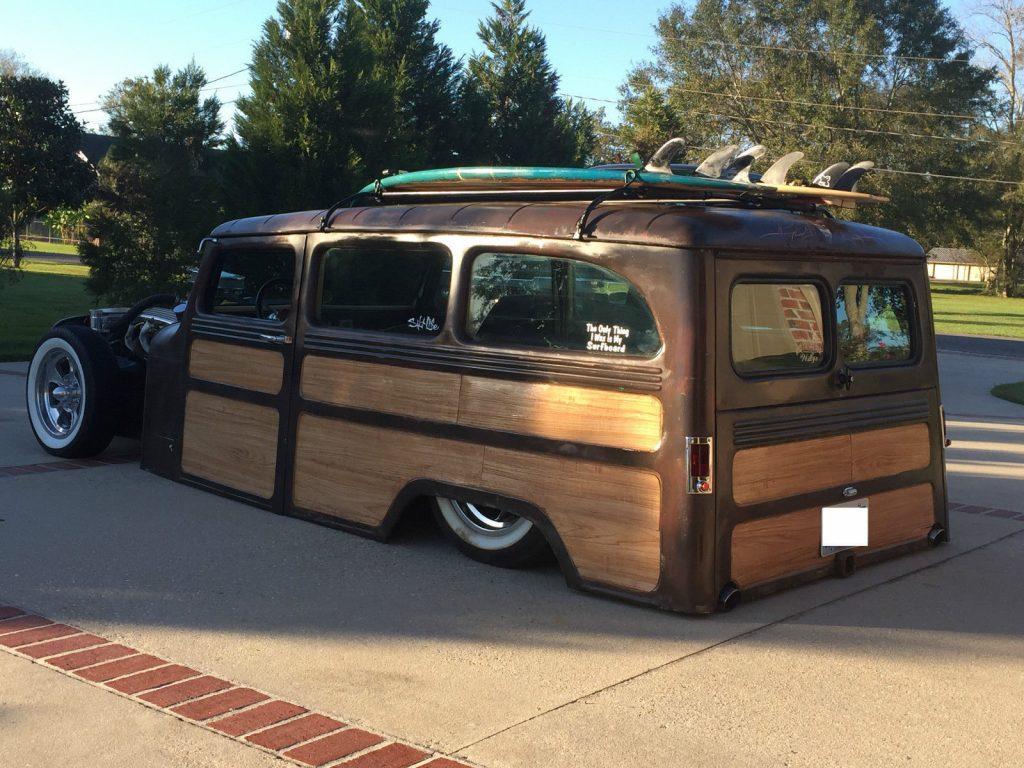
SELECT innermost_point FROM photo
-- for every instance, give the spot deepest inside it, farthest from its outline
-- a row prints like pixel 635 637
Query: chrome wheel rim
pixel 488 521
pixel 58 394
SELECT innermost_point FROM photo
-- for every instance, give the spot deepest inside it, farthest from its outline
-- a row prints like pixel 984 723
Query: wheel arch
pixel 427 488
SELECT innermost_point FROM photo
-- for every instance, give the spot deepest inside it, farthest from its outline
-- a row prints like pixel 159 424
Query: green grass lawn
pixel 961 309
pixel 43 294
pixel 41 246
pixel 1012 392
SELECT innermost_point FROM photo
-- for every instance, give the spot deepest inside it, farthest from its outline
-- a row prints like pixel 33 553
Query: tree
pixel 13 64
pixel 156 196
pixel 1002 39
pixel 40 166
pixel 297 133
pixel 837 79
pixel 417 79
pixel 510 98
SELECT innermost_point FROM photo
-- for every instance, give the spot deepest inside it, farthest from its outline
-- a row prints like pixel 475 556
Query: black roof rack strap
pixel 346 202
pixel 632 176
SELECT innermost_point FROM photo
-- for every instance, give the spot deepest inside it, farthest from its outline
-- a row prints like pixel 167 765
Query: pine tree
pixel 510 99
pixel 157 196
pixel 297 132
pixel 417 81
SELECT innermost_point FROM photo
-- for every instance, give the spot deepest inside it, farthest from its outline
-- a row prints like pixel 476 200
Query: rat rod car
pixel 689 384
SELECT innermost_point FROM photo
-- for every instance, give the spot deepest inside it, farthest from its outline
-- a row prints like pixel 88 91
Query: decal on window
pixel 607 338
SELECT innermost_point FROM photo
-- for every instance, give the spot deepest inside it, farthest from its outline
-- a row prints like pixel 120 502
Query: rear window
pixel 384 288
pixel 777 328
pixel 549 303
pixel 873 323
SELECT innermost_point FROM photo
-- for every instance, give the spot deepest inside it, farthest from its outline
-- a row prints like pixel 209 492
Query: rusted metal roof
pixel 688 225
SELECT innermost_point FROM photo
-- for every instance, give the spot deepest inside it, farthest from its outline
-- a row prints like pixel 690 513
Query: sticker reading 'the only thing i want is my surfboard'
pixel 607 338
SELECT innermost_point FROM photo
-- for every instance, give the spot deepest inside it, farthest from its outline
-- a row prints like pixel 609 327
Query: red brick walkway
pixel 253 718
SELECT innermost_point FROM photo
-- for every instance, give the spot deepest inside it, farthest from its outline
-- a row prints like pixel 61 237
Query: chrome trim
pixel 693 484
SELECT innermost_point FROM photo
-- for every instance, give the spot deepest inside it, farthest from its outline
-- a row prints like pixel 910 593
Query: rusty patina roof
pixel 685 225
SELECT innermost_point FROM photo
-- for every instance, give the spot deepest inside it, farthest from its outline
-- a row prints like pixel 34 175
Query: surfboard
pixel 584 180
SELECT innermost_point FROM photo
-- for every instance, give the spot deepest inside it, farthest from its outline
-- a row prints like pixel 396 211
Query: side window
pixel 384 288
pixel 538 301
pixel 873 323
pixel 254 282
pixel 777 328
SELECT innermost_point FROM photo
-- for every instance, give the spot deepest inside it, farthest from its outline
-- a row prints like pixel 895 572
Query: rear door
pixel 241 326
pixel 826 396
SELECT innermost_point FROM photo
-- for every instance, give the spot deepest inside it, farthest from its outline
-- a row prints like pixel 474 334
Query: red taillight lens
pixel 700 460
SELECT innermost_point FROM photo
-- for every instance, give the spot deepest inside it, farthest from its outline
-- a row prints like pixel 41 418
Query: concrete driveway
pixel 917 661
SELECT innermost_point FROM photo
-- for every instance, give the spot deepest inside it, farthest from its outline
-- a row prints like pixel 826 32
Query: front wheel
pixel 71 392
pixel 489 534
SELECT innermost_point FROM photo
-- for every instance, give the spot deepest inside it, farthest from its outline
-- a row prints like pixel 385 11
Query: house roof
pixel 95 146
pixel 966 256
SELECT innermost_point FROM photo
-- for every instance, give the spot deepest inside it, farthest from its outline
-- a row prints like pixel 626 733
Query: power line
pixel 868 131
pixel 201 90
pixel 885 110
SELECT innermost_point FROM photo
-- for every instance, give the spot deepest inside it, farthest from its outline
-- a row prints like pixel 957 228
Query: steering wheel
pixel 263 312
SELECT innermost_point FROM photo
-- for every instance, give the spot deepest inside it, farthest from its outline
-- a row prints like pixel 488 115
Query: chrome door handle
pixel 276 338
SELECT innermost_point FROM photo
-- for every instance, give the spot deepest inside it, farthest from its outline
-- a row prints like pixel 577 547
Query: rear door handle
pixel 276 338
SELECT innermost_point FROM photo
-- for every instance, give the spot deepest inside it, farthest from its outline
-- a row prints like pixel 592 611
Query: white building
pixel 958 265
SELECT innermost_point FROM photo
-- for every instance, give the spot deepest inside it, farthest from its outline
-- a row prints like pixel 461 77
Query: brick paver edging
pixel 58 466
pixel 244 714
pixel 974 509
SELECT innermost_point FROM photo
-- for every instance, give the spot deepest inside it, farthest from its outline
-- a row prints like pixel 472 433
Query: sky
pixel 93 44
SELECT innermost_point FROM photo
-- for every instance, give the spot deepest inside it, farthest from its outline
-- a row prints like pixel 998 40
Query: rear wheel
pixel 491 535
pixel 71 392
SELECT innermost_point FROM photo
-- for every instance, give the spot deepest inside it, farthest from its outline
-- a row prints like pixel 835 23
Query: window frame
pixel 204 293
pixel 315 284
pixel 829 347
pixel 915 326
pixel 461 319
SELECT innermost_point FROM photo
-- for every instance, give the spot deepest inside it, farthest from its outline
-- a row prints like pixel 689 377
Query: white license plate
pixel 844 526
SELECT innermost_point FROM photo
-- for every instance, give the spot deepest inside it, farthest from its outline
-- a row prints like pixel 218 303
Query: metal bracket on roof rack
pixel 581 226
pixel 346 202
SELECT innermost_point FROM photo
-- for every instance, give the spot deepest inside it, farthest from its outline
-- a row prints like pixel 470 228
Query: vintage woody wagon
pixel 678 382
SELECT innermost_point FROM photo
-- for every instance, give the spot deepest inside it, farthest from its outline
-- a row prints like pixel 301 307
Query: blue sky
pixel 93 44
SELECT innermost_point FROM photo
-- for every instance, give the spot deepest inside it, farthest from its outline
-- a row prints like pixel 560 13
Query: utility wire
pixel 886 110
pixel 201 90
pixel 870 131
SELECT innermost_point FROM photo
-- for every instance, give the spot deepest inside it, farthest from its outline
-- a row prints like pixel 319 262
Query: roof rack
pixel 724 176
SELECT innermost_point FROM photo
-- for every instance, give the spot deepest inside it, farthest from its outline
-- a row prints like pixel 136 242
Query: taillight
pixel 699 465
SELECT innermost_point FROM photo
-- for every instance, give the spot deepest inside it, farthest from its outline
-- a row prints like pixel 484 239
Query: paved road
pixel 917 661
pixel 991 346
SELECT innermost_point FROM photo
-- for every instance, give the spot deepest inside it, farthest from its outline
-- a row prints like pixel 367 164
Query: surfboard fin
pixel 661 162
pixel 848 181
pixel 718 161
pixel 830 175
pixel 777 175
pixel 739 168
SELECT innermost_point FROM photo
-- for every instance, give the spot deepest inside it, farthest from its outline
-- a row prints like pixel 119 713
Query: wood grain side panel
pixel 559 412
pixel 884 452
pixel 608 517
pixel 772 547
pixel 422 394
pixel 779 471
pixel 905 514
pixel 230 442
pixel 354 471
pixel 261 370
